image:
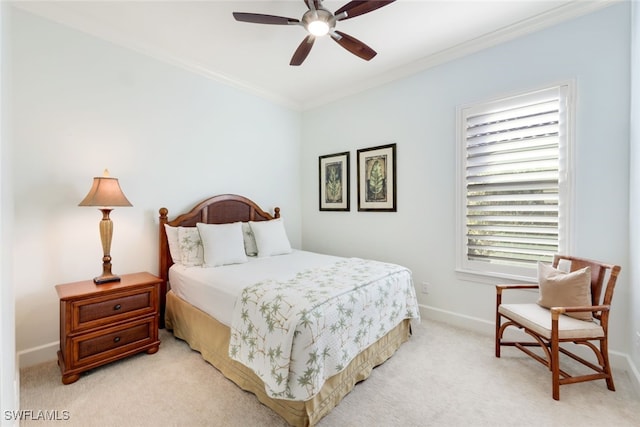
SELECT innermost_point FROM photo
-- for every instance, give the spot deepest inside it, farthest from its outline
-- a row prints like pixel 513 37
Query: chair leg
pixel 555 358
pixel 604 350
pixel 498 321
pixel 498 335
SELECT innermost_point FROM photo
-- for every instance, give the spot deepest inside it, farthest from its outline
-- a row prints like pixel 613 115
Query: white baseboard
pixel 634 375
pixel 618 360
pixel 456 319
pixel 36 355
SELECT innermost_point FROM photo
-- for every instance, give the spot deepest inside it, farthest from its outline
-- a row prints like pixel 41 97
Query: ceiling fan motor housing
pixel 320 14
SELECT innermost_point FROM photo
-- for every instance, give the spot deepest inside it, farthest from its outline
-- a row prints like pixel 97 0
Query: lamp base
pixel 105 279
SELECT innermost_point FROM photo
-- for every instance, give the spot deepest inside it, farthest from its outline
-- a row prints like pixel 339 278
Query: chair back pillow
pixel 561 289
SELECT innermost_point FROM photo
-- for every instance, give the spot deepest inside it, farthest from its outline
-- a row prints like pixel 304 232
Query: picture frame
pixel 377 179
pixel 334 173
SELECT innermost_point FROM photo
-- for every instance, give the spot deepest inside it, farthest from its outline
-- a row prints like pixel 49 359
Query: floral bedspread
pixel 296 333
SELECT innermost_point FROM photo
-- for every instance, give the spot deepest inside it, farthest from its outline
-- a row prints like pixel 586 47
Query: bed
pixel 218 321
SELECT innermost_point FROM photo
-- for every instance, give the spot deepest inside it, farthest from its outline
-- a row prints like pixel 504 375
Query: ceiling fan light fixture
pixel 318 28
pixel 318 22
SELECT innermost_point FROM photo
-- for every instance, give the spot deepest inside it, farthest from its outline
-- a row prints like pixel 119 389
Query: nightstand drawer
pixel 113 341
pixel 96 311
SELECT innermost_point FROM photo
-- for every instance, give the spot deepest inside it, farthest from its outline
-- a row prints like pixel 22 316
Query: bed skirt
pixel 206 335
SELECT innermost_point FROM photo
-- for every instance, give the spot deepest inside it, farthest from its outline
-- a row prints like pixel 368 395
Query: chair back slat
pixel 598 275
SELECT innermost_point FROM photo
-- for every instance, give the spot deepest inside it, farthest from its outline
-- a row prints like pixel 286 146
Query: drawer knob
pixel 117 307
pixel 116 339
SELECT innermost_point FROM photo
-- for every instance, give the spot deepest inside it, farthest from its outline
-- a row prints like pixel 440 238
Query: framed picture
pixel 377 179
pixel 334 182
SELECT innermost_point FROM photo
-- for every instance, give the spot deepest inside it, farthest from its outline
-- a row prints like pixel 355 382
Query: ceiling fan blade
pixel 303 50
pixel 258 18
pixel 353 45
pixel 356 8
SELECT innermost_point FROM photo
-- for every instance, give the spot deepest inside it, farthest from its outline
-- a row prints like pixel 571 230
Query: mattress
pixel 215 290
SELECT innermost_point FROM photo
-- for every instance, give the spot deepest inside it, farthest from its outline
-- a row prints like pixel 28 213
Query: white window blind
pixel 513 172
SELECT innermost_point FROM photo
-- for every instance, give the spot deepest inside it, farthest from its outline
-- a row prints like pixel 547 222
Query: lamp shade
pixel 106 192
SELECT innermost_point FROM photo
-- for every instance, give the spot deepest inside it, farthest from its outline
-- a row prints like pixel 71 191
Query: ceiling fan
pixel 318 22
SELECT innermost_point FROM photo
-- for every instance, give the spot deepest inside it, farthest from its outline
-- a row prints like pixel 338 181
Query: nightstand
pixel 103 323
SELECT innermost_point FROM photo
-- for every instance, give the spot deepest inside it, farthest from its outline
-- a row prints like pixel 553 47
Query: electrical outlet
pixel 638 339
pixel 425 287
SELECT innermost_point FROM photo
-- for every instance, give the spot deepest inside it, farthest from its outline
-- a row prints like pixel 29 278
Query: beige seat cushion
pixel 561 289
pixel 538 319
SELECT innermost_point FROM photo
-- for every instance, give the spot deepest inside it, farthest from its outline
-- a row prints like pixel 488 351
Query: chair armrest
pixel 518 286
pixel 502 287
pixel 561 310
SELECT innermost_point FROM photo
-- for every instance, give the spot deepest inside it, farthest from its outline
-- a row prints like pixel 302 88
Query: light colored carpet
pixel 443 376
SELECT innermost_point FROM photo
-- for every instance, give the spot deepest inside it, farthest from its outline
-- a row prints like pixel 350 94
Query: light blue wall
pixel 634 195
pixel 419 114
pixel 172 138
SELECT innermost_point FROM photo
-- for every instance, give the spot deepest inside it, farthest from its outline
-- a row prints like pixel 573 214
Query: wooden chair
pixel 551 327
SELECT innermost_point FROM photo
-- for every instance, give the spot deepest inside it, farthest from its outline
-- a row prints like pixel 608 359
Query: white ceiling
pixel 409 36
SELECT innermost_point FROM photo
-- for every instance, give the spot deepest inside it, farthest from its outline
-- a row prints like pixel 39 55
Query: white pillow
pixel 271 237
pixel 249 241
pixel 190 246
pixel 174 247
pixel 223 244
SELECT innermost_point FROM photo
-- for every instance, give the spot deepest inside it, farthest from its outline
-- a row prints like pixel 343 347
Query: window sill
pixel 491 278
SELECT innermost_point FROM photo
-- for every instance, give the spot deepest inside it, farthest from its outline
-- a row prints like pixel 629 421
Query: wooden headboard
pixel 221 209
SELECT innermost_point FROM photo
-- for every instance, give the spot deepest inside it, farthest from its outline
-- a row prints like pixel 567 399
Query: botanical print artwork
pixel 376 186
pixel 333 183
pixel 377 179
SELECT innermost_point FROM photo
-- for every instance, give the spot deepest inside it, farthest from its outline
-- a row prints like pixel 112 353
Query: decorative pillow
pixel 560 289
pixel 223 244
pixel 271 237
pixel 250 247
pixel 174 247
pixel 190 246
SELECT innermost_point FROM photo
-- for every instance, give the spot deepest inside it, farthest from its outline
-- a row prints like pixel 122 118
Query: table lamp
pixel 105 193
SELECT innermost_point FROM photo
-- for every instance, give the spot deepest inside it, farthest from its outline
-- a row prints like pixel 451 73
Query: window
pixel 514 200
